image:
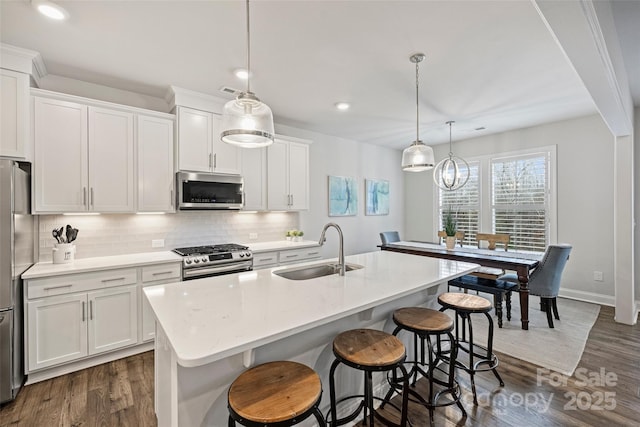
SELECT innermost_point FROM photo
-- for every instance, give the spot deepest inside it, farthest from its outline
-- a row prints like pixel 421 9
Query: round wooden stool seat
pixel 465 302
pixel 274 392
pixel 369 347
pixel 421 319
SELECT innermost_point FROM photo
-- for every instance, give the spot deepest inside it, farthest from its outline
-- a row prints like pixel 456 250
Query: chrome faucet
pixel 341 250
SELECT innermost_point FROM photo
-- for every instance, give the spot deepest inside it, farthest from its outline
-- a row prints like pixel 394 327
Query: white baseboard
pixel 588 297
pixel 55 371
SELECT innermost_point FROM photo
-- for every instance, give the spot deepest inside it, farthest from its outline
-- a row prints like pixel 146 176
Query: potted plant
pixel 289 235
pixel 299 236
pixel 450 230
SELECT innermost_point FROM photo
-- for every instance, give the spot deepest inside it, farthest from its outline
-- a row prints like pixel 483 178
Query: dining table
pixel 520 262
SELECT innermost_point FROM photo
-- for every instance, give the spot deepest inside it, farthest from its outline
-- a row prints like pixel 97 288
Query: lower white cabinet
pixel 285 257
pixel 73 317
pixel 68 327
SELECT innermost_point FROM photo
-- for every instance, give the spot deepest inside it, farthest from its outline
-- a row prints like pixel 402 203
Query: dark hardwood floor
pixel 604 391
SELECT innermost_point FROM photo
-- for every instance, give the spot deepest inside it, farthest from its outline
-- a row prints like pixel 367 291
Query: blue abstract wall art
pixel 343 196
pixel 377 197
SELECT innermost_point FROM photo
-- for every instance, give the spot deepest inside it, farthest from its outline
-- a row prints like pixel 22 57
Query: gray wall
pixel 335 156
pixel 584 192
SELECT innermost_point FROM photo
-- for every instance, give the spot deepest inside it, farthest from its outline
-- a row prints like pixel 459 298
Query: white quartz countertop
pixel 212 318
pixel 83 265
pixel 280 245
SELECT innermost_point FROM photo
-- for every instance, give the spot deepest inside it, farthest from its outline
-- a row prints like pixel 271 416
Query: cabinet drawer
pixel 161 272
pixel 264 259
pixel 83 282
pixel 299 255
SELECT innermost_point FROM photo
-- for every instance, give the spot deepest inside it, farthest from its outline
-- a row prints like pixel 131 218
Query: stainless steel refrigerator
pixel 16 255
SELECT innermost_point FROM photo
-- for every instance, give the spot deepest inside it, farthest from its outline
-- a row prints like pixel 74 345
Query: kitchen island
pixel 209 330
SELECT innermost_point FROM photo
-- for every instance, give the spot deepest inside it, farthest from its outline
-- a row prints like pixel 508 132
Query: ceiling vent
pixel 230 91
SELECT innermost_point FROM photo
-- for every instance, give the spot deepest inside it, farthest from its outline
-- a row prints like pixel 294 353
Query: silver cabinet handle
pixel 210 161
pixel 112 280
pixel 84 196
pixel 291 256
pixel 215 160
pixel 265 259
pixel 91 200
pixel 90 310
pixel 171 198
pixel 161 273
pixel 83 317
pixel 57 287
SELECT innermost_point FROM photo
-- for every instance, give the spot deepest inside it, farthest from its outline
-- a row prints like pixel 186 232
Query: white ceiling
pixel 489 64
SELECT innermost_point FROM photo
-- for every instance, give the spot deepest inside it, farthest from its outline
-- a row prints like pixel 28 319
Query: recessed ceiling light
pixel 241 73
pixel 342 106
pixel 50 9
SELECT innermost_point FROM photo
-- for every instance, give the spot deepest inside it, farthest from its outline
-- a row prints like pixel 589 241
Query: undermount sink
pixel 313 271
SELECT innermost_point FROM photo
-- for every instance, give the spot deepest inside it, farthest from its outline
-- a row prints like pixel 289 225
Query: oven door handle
pixel 240 266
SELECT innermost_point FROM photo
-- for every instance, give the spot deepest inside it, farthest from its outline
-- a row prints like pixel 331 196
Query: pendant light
pixel 418 156
pixel 247 122
pixel 452 172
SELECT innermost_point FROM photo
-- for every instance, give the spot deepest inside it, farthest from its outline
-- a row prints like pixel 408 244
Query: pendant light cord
pixel 417 108
pixel 248 52
pixel 450 149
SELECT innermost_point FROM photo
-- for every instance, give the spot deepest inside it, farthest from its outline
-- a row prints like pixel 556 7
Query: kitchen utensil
pixel 54 233
pixel 61 235
pixel 73 235
pixel 67 232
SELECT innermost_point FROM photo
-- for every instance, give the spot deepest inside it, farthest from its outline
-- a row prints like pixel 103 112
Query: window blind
pixel 520 200
pixel 464 204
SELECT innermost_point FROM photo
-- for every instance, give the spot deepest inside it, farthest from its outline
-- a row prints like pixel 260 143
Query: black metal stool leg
pixel 232 423
pixel 332 392
pixel 508 298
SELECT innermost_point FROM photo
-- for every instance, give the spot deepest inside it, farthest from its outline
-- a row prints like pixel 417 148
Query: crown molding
pixel 177 96
pixel 23 61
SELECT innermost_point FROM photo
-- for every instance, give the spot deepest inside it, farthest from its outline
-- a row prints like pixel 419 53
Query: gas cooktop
pixel 207 250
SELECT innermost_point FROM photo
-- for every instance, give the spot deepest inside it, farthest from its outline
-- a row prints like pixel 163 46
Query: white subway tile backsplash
pixel 104 235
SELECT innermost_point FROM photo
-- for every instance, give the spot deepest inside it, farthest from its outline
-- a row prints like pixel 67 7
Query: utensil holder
pixel 64 253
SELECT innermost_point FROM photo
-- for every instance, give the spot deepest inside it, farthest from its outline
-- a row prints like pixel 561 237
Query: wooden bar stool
pixel 426 323
pixel 279 394
pixel 481 358
pixel 368 350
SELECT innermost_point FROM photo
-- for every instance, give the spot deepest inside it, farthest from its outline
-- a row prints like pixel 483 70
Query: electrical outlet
pixel 598 276
pixel 157 243
pixel 253 236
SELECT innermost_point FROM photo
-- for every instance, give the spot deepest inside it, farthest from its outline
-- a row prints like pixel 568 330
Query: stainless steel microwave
pixel 209 191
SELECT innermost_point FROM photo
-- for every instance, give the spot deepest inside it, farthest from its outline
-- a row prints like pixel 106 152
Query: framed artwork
pixel 343 196
pixel 377 197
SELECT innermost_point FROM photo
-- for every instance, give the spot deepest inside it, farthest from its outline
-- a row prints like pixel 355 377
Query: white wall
pixel 335 156
pixel 585 195
pixel 636 197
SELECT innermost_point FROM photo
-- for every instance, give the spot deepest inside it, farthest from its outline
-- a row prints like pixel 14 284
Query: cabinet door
pixel 277 176
pixel 14 120
pixel 195 130
pixel 113 321
pixel 110 161
pixel 254 173
pixel 299 176
pixel 57 330
pixel 155 165
pixel 60 169
pixel 226 157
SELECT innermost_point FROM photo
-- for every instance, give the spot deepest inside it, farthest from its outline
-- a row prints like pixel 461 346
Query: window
pixel 511 194
pixel 465 205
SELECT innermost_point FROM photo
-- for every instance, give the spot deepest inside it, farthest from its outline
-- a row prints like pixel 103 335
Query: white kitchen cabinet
pixel 199 146
pixel 111 173
pixel 288 175
pixel 254 174
pixel 113 319
pixel 151 276
pixel 56 330
pixel 284 257
pixel 156 181
pixel 83 158
pixel 14 117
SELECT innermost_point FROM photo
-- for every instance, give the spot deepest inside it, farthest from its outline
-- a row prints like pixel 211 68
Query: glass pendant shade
pixel 417 157
pixel 247 122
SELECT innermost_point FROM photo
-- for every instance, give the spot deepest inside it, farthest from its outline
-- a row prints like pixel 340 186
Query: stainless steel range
pixel 206 261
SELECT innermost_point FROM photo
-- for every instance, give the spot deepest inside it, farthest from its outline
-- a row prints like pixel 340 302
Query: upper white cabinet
pixel 155 164
pixel 83 158
pixel 14 113
pixel 254 173
pixel 199 146
pixel 288 175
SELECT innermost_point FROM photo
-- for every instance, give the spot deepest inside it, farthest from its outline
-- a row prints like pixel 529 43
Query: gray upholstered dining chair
pixel 544 281
pixel 389 237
